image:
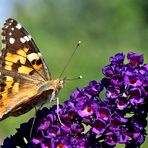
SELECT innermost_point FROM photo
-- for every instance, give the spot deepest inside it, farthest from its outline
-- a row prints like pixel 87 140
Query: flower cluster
pixel 91 120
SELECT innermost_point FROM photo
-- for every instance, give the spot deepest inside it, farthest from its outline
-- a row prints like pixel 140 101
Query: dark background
pixel 104 27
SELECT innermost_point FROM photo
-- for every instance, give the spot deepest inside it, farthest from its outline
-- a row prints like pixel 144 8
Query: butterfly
pixel 25 81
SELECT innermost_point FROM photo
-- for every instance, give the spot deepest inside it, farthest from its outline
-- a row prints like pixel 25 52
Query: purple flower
pixel 112 92
pixel 117 59
pixel 103 113
pixel 110 139
pixel 133 80
pixel 121 103
pixel 99 126
pixel 123 137
pixel 135 59
pixel 91 121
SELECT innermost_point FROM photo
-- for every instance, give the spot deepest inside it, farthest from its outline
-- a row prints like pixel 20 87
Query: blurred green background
pixel 104 27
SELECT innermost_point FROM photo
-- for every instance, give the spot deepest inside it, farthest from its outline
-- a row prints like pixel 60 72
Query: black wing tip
pixel 8 23
pixel 10 20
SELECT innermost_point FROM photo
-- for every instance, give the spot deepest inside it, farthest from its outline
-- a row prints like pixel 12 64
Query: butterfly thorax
pixel 51 85
pixel 57 84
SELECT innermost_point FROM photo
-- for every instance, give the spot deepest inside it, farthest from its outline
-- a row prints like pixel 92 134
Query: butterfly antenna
pixel 69 60
pixel 79 77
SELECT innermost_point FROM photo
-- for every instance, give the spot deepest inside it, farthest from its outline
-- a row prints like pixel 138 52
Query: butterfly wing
pixel 19 51
pixel 15 90
pixel 22 68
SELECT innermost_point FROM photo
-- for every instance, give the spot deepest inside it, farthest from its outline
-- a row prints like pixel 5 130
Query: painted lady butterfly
pixel 24 77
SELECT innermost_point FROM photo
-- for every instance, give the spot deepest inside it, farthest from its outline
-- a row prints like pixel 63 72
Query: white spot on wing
pixel 9 23
pixel 22 40
pixel 10 33
pixel 12 28
pixel 11 20
pixel 26 38
pixel 3 37
pixel 6 27
pixel 18 26
pixel 40 55
pixel 3 42
pixel 32 56
pixel 29 36
pixel 11 40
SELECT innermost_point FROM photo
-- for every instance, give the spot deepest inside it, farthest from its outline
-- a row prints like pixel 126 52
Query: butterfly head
pixel 57 84
pixel 60 83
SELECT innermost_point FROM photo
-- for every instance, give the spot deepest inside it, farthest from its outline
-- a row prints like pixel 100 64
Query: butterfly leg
pixel 58 112
pixel 34 118
pixel 33 122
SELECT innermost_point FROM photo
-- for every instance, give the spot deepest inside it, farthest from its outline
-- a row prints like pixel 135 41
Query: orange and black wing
pixel 22 67
pixel 20 53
